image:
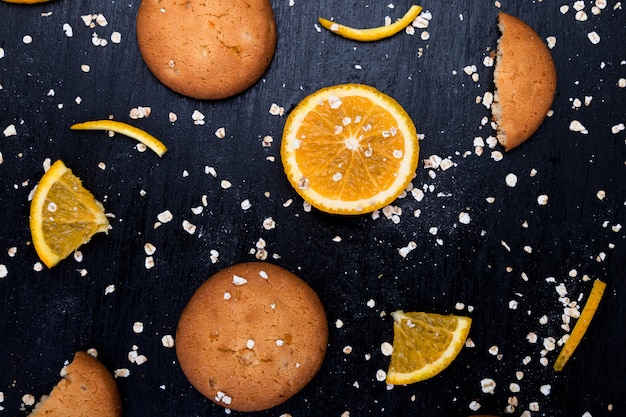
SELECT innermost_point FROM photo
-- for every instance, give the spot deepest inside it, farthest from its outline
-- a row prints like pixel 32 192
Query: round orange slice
pixel 375 33
pixel 125 129
pixel 63 215
pixel 424 344
pixel 349 149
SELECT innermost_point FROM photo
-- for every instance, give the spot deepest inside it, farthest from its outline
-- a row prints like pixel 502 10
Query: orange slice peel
pixel 374 33
pixel 582 324
pixel 125 129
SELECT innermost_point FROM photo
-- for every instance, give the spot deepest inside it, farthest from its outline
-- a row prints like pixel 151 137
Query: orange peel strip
pixel 125 129
pixel 375 33
pixel 581 325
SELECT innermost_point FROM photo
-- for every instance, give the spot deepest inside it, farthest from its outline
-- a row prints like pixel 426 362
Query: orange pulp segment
pixel 582 324
pixel 63 215
pixel 349 149
pixel 375 33
pixel 125 129
pixel 424 344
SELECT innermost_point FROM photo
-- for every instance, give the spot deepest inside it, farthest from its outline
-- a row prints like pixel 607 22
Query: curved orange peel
pixel 125 129
pixel 375 33
pixel 581 325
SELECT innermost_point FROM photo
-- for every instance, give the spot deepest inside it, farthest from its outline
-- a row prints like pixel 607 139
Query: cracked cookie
pixel 87 389
pixel 525 81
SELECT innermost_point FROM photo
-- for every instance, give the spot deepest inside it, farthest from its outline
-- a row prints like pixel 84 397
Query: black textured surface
pixel 47 315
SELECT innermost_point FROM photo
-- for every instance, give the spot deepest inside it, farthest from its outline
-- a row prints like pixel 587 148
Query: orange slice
pixel 349 149
pixel 581 326
pixel 424 344
pixel 63 215
pixel 375 33
pixel 125 129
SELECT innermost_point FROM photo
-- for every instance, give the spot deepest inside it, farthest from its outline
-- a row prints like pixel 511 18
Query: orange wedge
pixel 424 344
pixel 349 149
pixel 125 129
pixel 375 33
pixel 581 326
pixel 63 215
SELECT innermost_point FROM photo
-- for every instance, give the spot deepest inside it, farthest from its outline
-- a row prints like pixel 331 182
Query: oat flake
pixel 167 341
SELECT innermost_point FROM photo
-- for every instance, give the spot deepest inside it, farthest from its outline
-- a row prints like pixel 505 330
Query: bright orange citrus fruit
pixel 63 215
pixel 581 326
pixel 349 149
pixel 424 344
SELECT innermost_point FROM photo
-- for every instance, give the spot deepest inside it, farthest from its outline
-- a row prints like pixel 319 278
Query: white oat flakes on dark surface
pixel 462 237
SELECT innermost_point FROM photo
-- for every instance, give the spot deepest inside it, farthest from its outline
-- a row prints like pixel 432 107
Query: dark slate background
pixel 476 269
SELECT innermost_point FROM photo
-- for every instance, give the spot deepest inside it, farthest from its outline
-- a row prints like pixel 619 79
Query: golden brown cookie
pixel 252 336
pixel 207 49
pixel 86 390
pixel 525 81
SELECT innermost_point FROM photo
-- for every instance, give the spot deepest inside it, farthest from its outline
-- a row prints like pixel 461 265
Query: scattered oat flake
pixel 488 385
pixel 167 341
pixel 165 216
pixel 237 280
pixel 220 133
pixel 474 406
pixel 594 38
pixel 511 180
pixel 542 200
pixel 67 29
pixel 121 373
pixel 276 110
pixel 464 218
pixel 189 227
pixel 109 289
pixel 618 128
pixel 197 117
pixel 28 399
pixel 10 131
pixel 138 327
pixel 407 249
pixel 381 375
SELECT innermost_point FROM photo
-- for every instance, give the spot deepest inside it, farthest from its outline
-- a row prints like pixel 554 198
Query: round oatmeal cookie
pixel 209 49
pixel 86 390
pixel 252 336
pixel 525 81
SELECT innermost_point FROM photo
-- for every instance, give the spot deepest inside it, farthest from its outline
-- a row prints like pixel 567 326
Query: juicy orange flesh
pixel 361 155
pixel 68 218
pixel 426 339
